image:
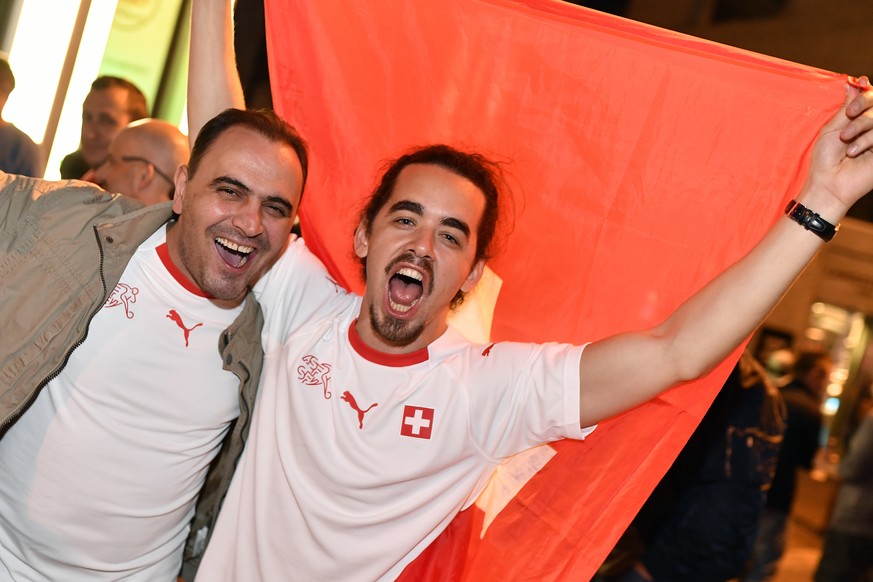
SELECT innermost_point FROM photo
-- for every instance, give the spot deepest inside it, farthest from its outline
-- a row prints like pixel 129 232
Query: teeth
pixel 411 273
pixel 401 308
pixel 234 247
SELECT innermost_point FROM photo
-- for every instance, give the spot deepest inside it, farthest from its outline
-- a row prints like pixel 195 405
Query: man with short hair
pixel 130 355
pixel 376 423
pixel 142 161
pixel 18 153
pixel 110 105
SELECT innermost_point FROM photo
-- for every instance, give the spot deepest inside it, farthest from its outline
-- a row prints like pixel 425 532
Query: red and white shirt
pixel 358 459
pixel 99 477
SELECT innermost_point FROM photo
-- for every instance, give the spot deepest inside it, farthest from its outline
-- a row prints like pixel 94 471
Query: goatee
pixel 393 331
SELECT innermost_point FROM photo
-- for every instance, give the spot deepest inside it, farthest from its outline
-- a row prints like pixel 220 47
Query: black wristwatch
pixel 811 221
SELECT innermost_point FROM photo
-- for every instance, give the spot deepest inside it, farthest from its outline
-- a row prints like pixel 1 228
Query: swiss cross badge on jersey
pixel 417 422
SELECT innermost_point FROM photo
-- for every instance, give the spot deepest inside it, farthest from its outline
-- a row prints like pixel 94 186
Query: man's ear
pixel 361 241
pixel 144 177
pixel 474 276
pixel 181 181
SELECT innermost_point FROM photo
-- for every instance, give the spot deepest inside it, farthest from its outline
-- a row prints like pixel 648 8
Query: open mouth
pixel 235 255
pixel 405 289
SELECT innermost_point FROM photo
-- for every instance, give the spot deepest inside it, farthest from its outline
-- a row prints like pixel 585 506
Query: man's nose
pixel 248 219
pixel 89 130
pixel 422 243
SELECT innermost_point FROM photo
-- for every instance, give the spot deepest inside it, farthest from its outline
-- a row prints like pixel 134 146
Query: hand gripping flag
pixel 642 162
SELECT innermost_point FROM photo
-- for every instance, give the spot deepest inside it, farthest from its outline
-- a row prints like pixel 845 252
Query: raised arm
pixel 213 81
pixel 625 370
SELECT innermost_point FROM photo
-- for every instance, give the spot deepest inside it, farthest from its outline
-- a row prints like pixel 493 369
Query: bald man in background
pixel 142 161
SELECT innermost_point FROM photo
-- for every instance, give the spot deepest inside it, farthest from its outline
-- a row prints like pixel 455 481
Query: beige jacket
pixel 63 248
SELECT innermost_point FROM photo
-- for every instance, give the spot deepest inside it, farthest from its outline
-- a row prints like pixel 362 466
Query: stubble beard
pixel 223 287
pixel 229 289
pixel 393 331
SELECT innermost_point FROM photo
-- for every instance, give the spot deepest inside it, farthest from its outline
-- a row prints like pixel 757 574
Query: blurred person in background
pixel 803 398
pixel 779 365
pixel 142 161
pixel 847 555
pixel 111 104
pixel 699 523
pixel 18 153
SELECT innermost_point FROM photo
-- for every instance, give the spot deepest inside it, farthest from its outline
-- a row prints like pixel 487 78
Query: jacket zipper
pixel 13 417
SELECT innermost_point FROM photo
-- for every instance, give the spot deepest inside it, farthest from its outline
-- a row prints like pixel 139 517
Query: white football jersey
pixel 98 479
pixel 358 459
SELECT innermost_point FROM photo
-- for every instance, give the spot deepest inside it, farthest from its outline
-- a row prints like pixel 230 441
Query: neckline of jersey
pixel 382 358
pixel 178 275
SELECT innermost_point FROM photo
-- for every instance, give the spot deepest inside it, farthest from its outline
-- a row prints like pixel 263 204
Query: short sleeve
pixel 297 289
pixel 525 395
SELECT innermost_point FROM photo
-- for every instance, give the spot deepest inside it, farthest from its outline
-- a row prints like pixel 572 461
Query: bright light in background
pixel 816 334
pixel 37 55
pixel 183 123
pixel 830 406
pixel 88 62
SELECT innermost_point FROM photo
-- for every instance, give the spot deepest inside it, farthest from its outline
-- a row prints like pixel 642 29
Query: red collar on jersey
pixel 178 275
pixel 381 358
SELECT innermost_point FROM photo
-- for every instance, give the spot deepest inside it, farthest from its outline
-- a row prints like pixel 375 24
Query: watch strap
pixel 811 221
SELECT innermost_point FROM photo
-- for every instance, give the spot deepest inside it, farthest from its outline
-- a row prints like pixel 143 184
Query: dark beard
pixel 393 331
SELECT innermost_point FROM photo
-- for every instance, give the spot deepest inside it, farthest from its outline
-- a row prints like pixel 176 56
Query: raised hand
pixel 841 171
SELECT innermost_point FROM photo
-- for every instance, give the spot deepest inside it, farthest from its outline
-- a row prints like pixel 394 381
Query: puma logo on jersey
pixel 487 351
pixel 124 295
pixel 174 316
pixel 347 396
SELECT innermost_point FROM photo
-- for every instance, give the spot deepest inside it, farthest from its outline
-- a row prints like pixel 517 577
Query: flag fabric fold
pixel 641 162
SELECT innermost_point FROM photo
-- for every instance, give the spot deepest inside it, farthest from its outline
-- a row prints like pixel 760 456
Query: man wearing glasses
pixel 142 161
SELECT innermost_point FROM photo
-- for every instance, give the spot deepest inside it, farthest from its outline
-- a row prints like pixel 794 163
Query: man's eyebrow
pixel 409 206
pixel 418 209
pixel 227 180
pixel 456 223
